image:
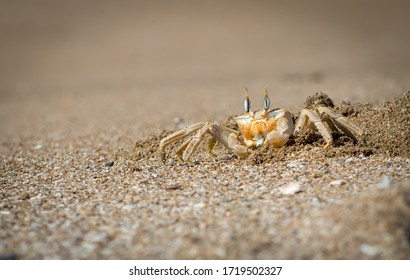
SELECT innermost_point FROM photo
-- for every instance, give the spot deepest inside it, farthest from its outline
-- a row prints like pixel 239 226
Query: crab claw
pixel 284 128
pixel 237 147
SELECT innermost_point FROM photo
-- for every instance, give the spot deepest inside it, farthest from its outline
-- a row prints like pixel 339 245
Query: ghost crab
pixel 263 128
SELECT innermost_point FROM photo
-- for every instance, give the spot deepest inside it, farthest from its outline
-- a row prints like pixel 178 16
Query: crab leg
pixel 181 149
pixel 210 143
pixel 307 116
pixel 196 139
pixel 179 134
pixel 230 140
pixel 342 123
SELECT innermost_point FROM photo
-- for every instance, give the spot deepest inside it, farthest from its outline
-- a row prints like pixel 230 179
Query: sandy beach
pixel 89 88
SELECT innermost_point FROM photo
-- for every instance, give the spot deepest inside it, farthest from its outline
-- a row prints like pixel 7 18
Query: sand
pixel 87 91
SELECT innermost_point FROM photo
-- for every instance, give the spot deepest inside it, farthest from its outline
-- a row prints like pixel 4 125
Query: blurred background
pixel 134 66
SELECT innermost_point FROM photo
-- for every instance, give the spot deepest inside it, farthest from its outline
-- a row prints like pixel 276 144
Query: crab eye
pixel 247 105
pixel 266 101
pixel 247 102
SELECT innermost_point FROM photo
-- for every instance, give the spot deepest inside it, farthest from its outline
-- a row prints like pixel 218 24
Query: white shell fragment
pixel 291 188
pixel 295 164
pixel 385 183
pixel 337 183
pixel 369 250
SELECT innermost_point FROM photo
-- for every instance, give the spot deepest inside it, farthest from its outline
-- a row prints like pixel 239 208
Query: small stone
pixel 337 183
pixel 315 201
pixel 98 237
pixel 272 231
pixel 255 212
pixel 47 206
pixel 178 120
pixel 295 164
pixel 369 250
pixel 24 195
pixel 316 175
pixel 109 164
pixel 172 186
pixel 38 146
pixel 291 188
pixel 350 160
pixel 341 160
pixel 199 206
pixel 385 183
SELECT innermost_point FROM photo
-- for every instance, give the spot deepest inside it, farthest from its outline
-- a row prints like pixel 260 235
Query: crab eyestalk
pixel 247 102
pixel 266 103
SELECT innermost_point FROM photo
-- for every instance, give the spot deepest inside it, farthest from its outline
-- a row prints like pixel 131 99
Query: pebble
pixel 291 188
pixel 172 186
pixel 369 249
pixel 47 206
pixel 338 183
pixel 109 164
pixel 295 164
pixel 350 160
pixel 97 238
pixel 199 206
pixel 315 201
pixel 272 231
pixel 38 147
pixel 178 120
pixel 316 175
pixel 385 183
pixel 24 195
